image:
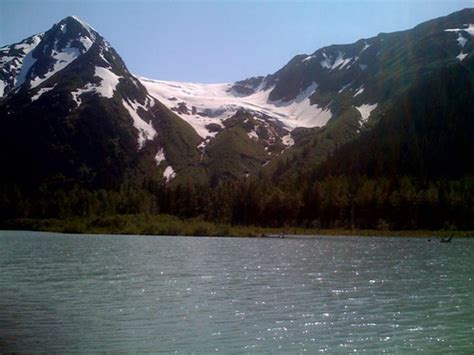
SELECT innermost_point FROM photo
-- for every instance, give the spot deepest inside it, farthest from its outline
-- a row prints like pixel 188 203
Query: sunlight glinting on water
pixel 137 293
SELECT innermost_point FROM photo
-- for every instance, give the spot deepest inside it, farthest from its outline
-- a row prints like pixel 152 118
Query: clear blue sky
pixel 220 41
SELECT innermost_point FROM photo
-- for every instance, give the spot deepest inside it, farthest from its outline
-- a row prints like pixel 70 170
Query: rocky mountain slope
pixel 71 112
pixel 365 83
pixel 321 101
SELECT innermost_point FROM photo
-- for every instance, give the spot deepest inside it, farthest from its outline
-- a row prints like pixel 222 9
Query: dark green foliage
pixel 428 133
pixel 213 127
pixel 232 154
pixel 312 146
pixel 179 141
pixel 333 202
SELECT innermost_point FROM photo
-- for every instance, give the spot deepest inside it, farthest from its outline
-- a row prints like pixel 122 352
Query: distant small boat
pixel 446 240
pixel 281 235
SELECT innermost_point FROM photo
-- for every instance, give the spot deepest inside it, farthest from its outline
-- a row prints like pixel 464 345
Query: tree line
pixel 331 202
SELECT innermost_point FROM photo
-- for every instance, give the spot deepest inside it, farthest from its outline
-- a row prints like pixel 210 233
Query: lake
pixel 86 293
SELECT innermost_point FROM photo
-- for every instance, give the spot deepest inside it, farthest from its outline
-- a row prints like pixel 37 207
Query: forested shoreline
pixel 334 202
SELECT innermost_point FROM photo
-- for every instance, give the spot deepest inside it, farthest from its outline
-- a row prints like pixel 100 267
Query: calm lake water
pixel 87 293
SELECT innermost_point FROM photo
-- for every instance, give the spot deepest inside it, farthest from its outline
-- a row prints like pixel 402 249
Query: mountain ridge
pixel 303 112
pixel 83 136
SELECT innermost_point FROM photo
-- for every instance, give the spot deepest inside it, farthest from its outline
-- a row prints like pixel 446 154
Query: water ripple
pixel 81 293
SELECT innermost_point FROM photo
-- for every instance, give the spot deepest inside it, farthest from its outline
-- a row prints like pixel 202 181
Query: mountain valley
pixel 394 106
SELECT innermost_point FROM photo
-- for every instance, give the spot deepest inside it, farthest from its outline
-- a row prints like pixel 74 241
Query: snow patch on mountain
pixel 19 63
pixel 150 102
pixel 335 63
pixel 461 56
pixel 252 135
pixel 145 129
pixel 5 59
pixel 306 115
pixel 25 47
pixel 359 91
pixel 462 42
pixel 308 58
pixel 76 96
pixel 86 42
pixel 326 63
pixel 41 92
pixel 209 98
pixel 365 110
pixel 14 59
pixel 204 104
pixel 27 63
pixel 469 29
pixel 169 173
pixel 366 45
pixel 108 84
pixel 288 140
pixel 343 88
pixel 62 60
pixel 160 156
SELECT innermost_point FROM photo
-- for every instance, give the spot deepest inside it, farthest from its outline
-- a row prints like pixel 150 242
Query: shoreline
pixel 165 225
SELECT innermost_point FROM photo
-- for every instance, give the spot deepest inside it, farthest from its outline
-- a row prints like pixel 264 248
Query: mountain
pixel 374 134
pixel 91 122
pixel 365 83
pixel 321 101
pixel 429 133
pixel 72 113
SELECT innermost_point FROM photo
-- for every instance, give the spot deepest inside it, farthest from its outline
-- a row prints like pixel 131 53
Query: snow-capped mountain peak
pixel 34 60
pixel 73 64
pixel 61 45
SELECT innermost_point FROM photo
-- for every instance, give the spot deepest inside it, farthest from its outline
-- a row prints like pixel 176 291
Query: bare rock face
pixel 181 108
pixel 248 86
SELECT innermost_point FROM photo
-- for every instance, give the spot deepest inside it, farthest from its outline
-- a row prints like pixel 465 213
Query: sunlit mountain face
pixel 72 113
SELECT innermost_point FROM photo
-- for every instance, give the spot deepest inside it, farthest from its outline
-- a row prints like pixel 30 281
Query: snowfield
pixel 461 39
pixel 23 62
pixel 365 110
pixel 62 60
pixel 108 83
pixel 41 92
pixel 203 104
pixel 169 173
pixel 145 129
pixel 468 29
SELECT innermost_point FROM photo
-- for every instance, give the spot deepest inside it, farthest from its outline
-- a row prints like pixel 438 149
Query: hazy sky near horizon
pixel 220 41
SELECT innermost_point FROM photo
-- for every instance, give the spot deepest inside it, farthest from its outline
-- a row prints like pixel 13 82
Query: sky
pixel 220 41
